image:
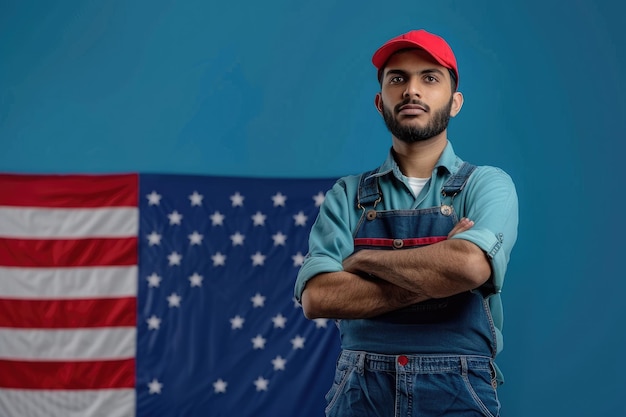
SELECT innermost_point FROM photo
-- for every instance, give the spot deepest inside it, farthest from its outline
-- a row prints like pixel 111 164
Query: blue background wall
pixel 285 89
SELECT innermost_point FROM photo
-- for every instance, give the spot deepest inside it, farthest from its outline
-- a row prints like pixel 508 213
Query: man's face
pixel 416 99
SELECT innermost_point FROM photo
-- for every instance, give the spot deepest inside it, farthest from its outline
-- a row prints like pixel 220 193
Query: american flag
pixel 158 295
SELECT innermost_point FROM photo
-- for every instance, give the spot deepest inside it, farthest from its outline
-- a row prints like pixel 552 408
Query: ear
pixel 378 102
pixel 457 103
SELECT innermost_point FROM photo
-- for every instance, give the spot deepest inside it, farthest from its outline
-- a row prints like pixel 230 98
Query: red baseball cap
pixel 436 46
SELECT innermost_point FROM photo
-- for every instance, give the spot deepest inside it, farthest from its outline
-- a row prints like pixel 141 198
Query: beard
pixel 411 134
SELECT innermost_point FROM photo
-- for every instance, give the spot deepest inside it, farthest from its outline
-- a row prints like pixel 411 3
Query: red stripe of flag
pixel 65 314
pixel 420 241
pixel 68 252
pixel 67 375
pixel 69 190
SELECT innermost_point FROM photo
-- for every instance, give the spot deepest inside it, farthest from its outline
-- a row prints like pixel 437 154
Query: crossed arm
pixel 374 282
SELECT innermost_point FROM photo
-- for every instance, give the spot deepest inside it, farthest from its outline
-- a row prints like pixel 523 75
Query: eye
pixel 430 79
pixel 396 80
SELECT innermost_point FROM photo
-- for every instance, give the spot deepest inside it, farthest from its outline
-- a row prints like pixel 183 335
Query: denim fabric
pixel 373 385
pixel 459 324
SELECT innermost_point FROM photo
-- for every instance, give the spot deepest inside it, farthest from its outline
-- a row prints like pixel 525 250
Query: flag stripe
pixel 63 314
pixel 47 283
pixel 68 252
pixel 41 403
pixel 102 343
pixel 68 190
pixel 68 288
pixel 68 223
pixel 119 373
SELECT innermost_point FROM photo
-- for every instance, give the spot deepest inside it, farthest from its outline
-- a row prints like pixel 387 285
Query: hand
pixel 461 226
pixel 350 264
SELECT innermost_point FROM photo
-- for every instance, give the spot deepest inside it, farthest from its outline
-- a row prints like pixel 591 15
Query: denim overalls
pixel 433 358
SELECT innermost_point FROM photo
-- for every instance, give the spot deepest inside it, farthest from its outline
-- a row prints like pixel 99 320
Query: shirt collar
pixel 448 160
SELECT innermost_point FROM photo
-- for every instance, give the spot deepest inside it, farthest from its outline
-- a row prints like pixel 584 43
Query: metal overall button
pixel 398 243
pixel 370 215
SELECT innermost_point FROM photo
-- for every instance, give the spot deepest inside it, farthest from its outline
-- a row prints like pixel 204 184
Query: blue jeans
pixel 412 386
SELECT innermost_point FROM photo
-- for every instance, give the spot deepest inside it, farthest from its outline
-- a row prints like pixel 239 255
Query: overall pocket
pixel 342 373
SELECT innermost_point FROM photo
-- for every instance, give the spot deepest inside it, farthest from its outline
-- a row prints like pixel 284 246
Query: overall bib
pixel 429 359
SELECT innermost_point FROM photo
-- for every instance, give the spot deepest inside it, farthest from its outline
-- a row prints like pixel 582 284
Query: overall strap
pixel 369 192
pixel 457 181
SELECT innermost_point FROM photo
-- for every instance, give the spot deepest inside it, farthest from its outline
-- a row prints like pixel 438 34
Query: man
pixel 414 290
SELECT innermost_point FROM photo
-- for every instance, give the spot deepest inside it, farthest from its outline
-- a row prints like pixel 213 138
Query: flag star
pixel 175 217
pixel 259 219
pixel 154 239
pixel 196 199
pixel 195 238
pixel 319 199
pixel 174 258
pixel 237 199
pixel 174 300
pixel 237 322
pixel 153 280
pixel 220 386
pixel 153 322
pixel 298 259
pixel 298 342
pixel 258 259
pixel 217 219
pixel 154 199
pixel 320 323
pixel 237 239
pixel 279 321
pixel 279 199
pixel 219 259
pixel 258 342
pixel 261 384
pixel 279 239
pixel 300 219
pixel 279 363
pixel 195 280
pixel 258 300
pixel 155 386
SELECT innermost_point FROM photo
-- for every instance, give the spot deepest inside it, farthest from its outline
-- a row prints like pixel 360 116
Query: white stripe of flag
pixel 68 344
pixel 67 283
pixel 50 223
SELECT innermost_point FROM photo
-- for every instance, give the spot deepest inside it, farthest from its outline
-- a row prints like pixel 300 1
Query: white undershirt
pixel 417 184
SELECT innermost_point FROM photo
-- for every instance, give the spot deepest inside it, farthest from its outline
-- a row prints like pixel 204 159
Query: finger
pixel 462 225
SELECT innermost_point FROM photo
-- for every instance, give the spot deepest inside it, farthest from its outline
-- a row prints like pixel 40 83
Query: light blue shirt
pixel 489 199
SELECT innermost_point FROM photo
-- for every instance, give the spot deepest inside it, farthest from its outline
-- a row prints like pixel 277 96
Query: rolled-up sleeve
pixel 491 202
pixel 330 240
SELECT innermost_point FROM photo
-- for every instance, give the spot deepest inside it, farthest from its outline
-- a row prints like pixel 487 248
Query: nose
pixel 412 88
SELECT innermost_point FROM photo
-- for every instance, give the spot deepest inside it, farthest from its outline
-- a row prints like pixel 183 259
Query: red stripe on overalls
pixel 419 241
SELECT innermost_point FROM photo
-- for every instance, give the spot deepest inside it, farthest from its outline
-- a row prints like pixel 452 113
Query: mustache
pixel 411 101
